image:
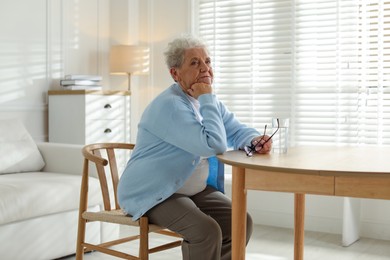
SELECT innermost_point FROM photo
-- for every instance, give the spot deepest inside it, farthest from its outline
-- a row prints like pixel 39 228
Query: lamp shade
pixel 129 59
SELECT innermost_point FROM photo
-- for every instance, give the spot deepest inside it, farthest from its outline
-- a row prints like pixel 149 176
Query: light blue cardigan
pixel 170 143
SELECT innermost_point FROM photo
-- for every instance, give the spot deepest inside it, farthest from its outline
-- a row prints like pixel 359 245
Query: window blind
pixel 322 63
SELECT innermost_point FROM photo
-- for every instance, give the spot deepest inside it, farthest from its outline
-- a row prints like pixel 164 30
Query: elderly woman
pixel 169 177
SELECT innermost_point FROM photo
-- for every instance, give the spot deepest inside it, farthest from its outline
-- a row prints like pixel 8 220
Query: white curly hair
pixel 174 55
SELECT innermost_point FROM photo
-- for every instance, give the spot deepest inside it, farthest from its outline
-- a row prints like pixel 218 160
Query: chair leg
pixel 83 206
pixel 144 238
pixel 80 239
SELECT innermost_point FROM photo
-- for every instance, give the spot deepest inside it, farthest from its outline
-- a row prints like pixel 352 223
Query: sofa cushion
pixel 34 194
pixel 18 151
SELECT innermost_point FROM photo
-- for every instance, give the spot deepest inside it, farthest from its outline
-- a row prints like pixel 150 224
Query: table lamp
pixel 130 60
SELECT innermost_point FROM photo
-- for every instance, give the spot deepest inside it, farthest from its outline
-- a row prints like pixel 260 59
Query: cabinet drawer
pixel 105 107
pixel 105 131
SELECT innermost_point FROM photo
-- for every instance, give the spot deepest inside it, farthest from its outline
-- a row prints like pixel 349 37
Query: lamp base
pixel 129 82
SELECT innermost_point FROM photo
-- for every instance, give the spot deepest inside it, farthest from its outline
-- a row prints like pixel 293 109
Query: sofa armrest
pixel 62 158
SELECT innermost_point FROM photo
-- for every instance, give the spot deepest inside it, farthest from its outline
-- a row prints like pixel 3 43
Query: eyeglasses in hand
pixel 252 148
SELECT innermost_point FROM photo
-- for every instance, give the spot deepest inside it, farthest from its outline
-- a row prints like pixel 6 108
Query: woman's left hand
pixel 198 89
pixel 265 144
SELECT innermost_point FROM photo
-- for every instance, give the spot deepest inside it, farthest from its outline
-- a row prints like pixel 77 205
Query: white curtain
pixel 325 64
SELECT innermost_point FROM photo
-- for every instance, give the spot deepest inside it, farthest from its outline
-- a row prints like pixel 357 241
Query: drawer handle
pixel 107 131
pixel 107 106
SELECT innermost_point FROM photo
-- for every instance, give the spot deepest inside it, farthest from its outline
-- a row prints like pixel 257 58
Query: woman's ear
pixel 174 74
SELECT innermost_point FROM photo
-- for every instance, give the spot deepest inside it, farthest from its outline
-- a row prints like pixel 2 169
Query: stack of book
pixel 77 82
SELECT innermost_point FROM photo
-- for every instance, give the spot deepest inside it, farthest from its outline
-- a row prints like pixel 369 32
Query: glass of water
pixel 280 139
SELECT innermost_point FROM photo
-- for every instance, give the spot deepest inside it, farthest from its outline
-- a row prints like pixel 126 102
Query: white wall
pixel 158 21
pixel 40 42
pixel 74 37
pixel 23 56
pixel 50 38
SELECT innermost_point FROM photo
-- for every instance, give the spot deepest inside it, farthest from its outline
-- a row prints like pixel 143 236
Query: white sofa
pixel 39 208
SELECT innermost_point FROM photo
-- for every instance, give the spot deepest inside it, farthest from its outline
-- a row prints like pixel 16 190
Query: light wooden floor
pixel 272 243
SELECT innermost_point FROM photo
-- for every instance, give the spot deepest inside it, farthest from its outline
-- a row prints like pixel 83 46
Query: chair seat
pixel 116 216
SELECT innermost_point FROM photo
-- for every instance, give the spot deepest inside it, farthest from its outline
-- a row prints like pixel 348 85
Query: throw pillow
pixel 18 151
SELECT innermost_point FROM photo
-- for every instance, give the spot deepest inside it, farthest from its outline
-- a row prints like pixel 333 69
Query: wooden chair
pixel 112 212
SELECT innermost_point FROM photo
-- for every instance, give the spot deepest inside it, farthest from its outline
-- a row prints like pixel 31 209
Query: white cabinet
pixel 85 116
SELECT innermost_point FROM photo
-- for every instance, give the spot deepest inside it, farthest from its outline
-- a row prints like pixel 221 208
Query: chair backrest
pixel 105 157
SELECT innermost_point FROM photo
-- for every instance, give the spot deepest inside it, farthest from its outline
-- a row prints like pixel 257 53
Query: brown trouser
pixel 204 221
